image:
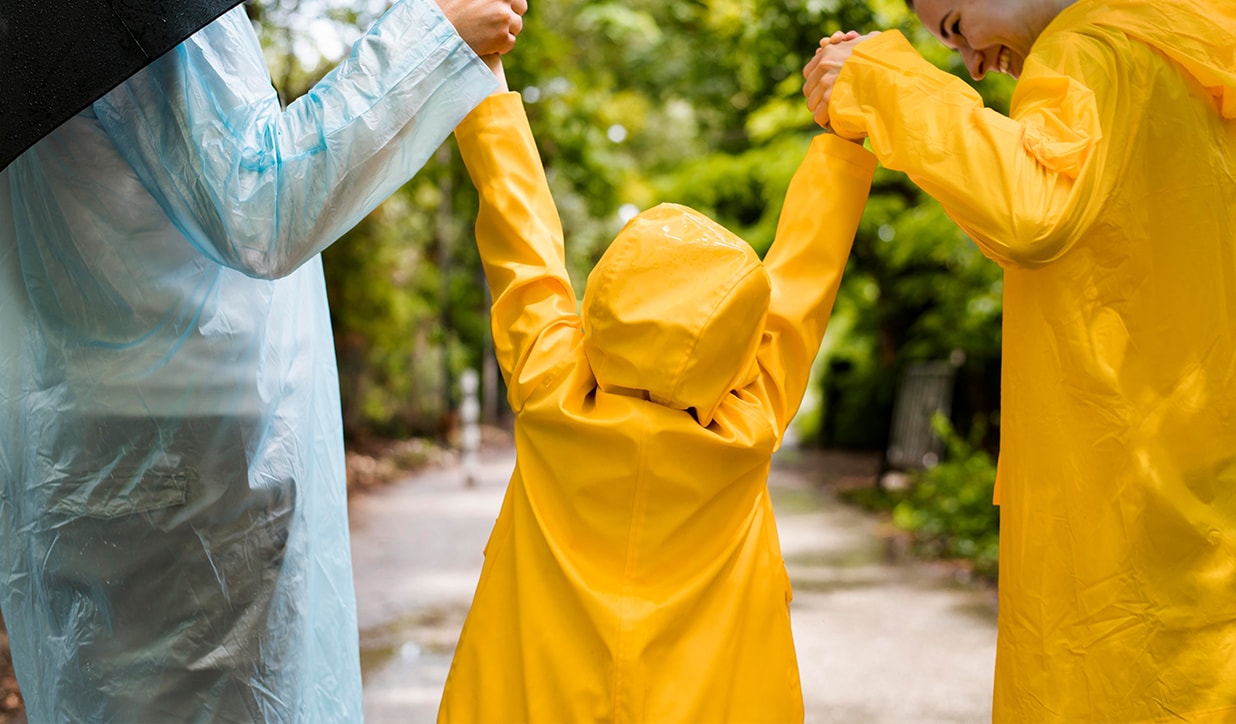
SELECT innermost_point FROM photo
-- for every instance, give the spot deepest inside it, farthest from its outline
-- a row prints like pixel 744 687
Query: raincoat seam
pixel 689 357
pixel 632 561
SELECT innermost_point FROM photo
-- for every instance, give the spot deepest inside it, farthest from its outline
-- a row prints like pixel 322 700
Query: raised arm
pixel 1023 187
pixel 519 234
pixel 822 208
pixel 261 189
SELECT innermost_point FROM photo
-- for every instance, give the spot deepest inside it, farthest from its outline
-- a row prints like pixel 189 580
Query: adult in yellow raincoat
pixel 1109 197
pixel 634 573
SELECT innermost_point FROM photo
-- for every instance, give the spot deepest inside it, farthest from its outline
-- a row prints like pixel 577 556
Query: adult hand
pixel 820 73
pixel 488 26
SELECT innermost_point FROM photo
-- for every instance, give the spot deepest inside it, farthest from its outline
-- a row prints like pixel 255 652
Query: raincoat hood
pixel 1190 32
pixel 674 309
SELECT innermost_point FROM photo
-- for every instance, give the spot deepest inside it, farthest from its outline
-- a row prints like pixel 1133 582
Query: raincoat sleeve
pixel 534 317
pixel 262 189
pixel 1023 186
pixel 816 229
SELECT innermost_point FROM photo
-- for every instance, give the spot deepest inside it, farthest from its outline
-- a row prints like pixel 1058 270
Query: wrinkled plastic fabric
pixel 634 572
pixel 173 506
pixel 1109 197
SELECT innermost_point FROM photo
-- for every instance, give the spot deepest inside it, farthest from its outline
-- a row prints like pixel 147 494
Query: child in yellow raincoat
pixel 1108 194
pixel 634 573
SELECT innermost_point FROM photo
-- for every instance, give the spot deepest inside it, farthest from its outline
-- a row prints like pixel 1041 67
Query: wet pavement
pixel 880 639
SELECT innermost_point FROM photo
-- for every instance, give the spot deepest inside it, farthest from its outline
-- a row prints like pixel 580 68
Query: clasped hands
pixel 488 26
pixel 821 72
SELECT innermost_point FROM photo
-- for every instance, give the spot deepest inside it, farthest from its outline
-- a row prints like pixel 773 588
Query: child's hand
pixel 821 72
pixel 494 61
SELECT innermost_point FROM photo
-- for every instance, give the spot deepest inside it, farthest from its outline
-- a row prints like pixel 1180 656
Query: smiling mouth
pixel 1004 60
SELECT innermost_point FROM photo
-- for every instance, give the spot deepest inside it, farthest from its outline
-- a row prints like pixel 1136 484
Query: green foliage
pixel 388 333
pixel 743 192
pixel 949 509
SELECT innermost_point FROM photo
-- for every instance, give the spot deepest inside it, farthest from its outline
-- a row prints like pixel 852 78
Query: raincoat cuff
pixel 475 76
pixel 852 153
pixel 498 108
pixel 889 52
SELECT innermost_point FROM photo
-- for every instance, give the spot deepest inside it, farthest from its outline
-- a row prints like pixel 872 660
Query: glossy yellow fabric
pixel 634 572
pixel 1109 198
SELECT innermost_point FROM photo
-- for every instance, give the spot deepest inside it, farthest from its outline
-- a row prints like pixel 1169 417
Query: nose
pixel 976 63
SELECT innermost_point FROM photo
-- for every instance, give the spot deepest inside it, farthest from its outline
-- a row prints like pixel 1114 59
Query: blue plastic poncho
pixel 172 504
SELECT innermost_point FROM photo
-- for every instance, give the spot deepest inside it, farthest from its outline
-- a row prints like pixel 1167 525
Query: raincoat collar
pixel 674 311
pixel 1198 35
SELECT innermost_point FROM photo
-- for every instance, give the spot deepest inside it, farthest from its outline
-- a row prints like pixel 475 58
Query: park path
pixel 880 639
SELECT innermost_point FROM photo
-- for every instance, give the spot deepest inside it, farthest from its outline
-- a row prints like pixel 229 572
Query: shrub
pixel 949 509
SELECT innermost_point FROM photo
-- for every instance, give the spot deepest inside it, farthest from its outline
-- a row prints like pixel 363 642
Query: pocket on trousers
pixel 119 493
pixel 113 467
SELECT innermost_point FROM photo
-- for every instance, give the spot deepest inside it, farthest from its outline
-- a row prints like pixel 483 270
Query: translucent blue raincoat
pixel 172 502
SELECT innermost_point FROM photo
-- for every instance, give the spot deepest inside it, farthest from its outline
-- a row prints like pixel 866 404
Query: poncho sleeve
pixel 262 189
pixel 1024 186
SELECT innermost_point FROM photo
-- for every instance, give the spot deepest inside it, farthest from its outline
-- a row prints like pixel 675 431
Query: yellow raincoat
pixel 634 572
pixel 1109 197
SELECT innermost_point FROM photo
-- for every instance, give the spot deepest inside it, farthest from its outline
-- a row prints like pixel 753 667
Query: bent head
pixel 674 311
pixel 991 35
